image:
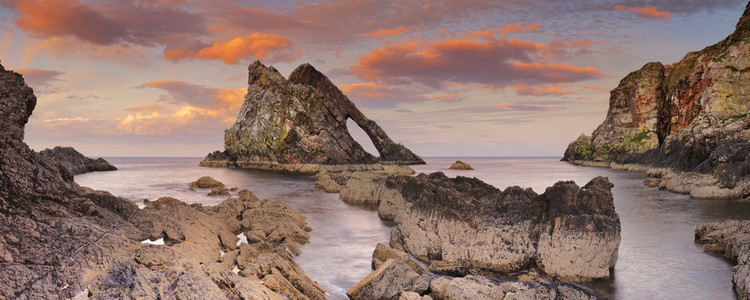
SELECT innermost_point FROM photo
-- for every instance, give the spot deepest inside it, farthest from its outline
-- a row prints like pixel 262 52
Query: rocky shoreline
pixel 453 236
pixel 62 241
pixel 74 162
pixel 730 239
pixel 686 123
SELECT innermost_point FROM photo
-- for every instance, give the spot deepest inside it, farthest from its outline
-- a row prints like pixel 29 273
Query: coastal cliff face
pixel 75 162
pixel 300 121
pixel 690 116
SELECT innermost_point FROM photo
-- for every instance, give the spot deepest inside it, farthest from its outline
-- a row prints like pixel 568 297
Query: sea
pixel 658 258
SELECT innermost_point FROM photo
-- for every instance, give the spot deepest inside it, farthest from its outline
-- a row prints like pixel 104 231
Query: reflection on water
pixel 658 259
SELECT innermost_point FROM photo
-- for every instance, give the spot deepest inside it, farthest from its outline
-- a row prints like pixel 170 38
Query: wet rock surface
pixel 75 162
pixel 60 239
pixel 732 240
pixel 298 123
pixel 690 118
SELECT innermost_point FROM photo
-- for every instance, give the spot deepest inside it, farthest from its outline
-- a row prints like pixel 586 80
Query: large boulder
pixel 287 124
pixel 732 240
pixel 569 232
pixel 74 161
pixel 388 281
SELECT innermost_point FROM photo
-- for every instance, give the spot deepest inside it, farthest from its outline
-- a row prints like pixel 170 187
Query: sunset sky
pixel 445 78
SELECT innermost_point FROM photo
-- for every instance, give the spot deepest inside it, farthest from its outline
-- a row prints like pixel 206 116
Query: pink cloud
pixel 649 11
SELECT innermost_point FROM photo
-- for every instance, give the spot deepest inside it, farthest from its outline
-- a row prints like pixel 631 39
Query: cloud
pixel 448 98
pixel 512 28
pixel 496 62
pixel 106 23
pixel 146 107
pixel 378 95
pixel 388 32
pixel 38 78
pixel 527 107
pixel 523 89
pixel 254 46
pixel 181 92
pixel 649 11
pixel 594 88
pixel 494 140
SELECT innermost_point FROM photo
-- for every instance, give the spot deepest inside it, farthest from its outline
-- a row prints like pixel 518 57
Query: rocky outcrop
pixel 568 232
pixel 388 281
pixel 690 117
pixel 206 182
pixel 60 240
pixel 369 188
pixel 291 124
pixel 74 162
pixel 459 165
pixel 732 240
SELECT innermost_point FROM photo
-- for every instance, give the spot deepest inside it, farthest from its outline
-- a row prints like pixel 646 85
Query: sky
pixel 444 78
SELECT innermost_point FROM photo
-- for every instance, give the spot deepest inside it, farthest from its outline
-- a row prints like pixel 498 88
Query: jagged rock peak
pixel 300 121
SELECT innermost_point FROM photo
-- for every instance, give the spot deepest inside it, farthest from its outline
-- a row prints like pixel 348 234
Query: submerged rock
pixel 74 162
pixel 732 240
pixel 459 165
pixel 690 117
pixel 206 182
pixel 298 124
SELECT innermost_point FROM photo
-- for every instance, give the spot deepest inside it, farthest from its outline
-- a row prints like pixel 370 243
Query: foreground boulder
pixel 568 232
pixel 74 162
pixel 732 240
pixel 690 118
pixel 299 124
pixel 60 240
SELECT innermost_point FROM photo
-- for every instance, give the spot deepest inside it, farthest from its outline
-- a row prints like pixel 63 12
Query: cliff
pixel 75 162
pixel 60 240
pixel 688 119
pixel 299 124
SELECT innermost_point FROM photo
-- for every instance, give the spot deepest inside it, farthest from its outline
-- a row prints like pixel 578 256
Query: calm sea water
pixel 658 258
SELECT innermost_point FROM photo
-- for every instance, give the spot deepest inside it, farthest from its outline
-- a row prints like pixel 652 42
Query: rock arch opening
pixel 361 137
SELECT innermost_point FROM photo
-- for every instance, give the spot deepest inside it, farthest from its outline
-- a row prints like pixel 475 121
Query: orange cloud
pixel 448 98
pixel 527 107
pixel 67 17
pixel 146 107
pixel 522 89
pixel 648 11
pixel 496 62
pixel 443 31
pixel 254 46
pixel 378 95
pixel 388 32
pixel 512 28
pixel 594 88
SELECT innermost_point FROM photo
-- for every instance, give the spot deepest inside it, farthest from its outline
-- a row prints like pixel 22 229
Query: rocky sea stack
pixel 75 162
pixel 687 122
pixel 299 124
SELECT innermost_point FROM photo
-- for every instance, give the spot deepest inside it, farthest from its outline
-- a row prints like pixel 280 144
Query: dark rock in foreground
pixel 299 125
pixel 74 162
pixel 687 122
pixel 60 240
pixel 732 240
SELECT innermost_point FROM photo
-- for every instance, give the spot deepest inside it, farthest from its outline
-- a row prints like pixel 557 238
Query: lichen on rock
pixel 300 121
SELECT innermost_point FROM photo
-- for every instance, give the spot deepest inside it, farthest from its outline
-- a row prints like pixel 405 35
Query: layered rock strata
pixel 465 227
pixel 732 240
pixel 690 118
pixel 299 125
pixel 74 162
pixel 60 240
